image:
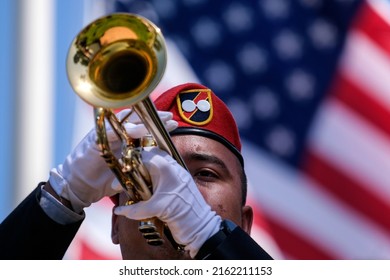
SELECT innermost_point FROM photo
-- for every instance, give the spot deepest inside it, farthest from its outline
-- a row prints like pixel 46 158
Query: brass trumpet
pixel 116 62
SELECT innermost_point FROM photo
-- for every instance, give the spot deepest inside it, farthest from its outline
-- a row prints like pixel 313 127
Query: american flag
pixel 309 84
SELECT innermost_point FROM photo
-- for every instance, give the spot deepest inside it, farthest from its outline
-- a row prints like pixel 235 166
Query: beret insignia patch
pixel 195 106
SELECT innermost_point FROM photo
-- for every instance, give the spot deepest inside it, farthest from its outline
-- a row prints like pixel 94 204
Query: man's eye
pixel 206 174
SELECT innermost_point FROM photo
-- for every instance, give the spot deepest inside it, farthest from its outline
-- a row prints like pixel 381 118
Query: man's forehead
pixel 197 147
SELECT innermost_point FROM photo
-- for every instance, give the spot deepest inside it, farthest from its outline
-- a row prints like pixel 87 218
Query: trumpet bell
pixel 116 61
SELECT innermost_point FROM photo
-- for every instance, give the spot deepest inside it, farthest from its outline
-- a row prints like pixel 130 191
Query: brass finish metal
pixel 116 62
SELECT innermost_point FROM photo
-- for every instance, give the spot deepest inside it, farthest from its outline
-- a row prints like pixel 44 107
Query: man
pixel 201 207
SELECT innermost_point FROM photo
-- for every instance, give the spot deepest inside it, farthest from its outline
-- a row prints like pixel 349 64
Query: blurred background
pixel 308 82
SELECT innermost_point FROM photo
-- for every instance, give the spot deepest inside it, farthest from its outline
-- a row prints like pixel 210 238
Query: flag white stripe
pixel 382 8
pixel 368 66
pixel 266 241
pixel 353 146
pixel 99 223
pixel 293 200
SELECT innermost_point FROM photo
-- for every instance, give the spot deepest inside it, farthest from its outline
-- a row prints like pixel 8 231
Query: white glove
pixel 176 201
pixel 84 177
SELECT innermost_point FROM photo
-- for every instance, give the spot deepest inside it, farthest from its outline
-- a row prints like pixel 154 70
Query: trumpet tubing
pixel 116 62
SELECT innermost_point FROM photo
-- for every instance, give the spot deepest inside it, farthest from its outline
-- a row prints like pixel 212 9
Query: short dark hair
pixel 244 186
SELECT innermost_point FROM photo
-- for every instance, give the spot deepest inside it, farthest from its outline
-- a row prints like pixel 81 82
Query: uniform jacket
pixel 28 233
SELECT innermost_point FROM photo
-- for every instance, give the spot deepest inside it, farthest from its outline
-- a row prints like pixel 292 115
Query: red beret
pixel 200 112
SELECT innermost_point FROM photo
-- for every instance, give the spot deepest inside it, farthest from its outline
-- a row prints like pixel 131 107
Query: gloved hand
pixel 84 177
pixel 176 201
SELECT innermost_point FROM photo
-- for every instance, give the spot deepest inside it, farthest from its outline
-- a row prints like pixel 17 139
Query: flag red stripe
pixel 258 216
pixel 373 26
pixel 296 246
pixel 361 102
pixel 347 189
pixel 90 253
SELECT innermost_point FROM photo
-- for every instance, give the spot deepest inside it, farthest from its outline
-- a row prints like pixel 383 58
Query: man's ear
pixel 114 228
pixel 247 218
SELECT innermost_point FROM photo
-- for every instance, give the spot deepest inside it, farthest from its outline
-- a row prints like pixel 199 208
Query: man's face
pixel 216 172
